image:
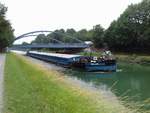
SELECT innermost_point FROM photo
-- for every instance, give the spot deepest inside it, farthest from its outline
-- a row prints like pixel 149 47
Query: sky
pixel 32 15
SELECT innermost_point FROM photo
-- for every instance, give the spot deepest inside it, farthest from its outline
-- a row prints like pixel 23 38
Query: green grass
pixel 133 58
pixel 30 88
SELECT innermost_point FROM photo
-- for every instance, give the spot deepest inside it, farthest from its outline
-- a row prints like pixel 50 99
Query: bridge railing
pixel 53 45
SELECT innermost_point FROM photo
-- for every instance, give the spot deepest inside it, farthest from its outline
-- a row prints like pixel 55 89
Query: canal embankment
pixel 134 58
pixel 32 88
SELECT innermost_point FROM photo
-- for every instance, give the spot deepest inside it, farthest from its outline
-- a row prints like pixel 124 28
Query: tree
pixel 40 39
pixel 71 31
pixel 98 35
pixel 131 31
pixel 25 43
pixel 56 35
pixel 6 31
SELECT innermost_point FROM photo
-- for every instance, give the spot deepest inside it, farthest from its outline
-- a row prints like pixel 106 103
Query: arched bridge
pixel 76 44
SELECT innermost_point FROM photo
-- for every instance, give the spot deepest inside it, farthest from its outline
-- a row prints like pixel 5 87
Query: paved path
pixel 2 62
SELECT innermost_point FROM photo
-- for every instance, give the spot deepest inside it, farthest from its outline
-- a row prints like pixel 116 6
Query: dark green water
pixel 131 81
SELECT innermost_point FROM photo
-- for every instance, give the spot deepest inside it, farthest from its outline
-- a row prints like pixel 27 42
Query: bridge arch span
pixel 34 33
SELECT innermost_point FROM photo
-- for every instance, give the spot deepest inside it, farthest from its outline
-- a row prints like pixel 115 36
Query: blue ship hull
pixel 99 67
pixel 75 61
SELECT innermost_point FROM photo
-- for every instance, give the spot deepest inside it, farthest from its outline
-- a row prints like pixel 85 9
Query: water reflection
pixel 133 81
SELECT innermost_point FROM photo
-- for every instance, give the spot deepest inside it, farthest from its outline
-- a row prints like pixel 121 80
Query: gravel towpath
pixel 2 63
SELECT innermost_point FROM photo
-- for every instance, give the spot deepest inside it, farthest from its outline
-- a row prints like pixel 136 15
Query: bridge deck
pixel 54 46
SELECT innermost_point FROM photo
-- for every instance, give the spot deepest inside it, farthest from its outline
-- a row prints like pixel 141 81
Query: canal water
pixel 131 83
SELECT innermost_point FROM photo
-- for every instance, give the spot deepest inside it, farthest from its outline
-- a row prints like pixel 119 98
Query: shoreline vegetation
pixel 133 58
pixel 30 88
pixel 123 57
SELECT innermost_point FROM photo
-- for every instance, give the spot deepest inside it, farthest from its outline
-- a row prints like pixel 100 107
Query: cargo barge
pixel 87 63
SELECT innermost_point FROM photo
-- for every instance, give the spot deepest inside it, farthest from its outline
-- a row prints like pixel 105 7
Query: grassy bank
pixel 133 58
pixel 30 88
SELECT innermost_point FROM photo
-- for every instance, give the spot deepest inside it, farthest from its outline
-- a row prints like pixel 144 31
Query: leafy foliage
pixel 98 36
pixel 6 31
pixel 68 36
pixel 131 31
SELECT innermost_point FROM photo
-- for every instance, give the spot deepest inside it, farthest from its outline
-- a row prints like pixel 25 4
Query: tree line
pixel 68 36
pixel 72 36
pixel 129 33
pixel 6 31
